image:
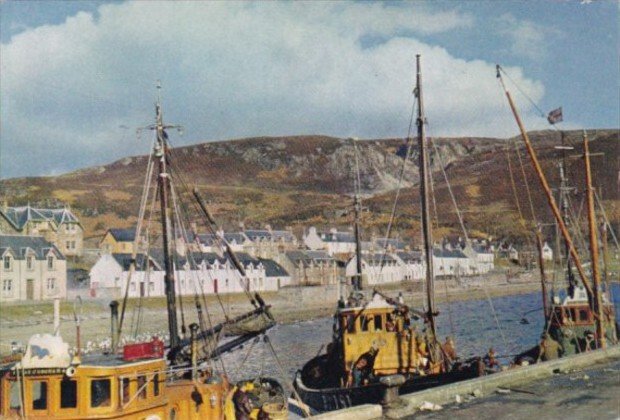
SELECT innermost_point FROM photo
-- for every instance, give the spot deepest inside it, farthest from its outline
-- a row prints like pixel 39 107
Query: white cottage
pixel 334 242
pixel 377 269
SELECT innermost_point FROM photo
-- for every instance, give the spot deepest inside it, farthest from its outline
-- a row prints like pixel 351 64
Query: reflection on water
pixel 476 326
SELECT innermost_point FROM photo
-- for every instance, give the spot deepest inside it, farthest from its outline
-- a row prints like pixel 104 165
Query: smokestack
pixel 114 324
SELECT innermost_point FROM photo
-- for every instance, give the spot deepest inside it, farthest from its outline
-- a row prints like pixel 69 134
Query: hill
pixel 304 180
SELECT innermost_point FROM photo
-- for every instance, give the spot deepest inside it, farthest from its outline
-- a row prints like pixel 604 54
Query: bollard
pixel 391 384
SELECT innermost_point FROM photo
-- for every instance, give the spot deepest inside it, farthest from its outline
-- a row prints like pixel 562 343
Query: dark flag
pixel 555 116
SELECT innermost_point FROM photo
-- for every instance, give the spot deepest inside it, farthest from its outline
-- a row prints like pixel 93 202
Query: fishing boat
pixel 584 318
pixel 379 343
pixel 177 379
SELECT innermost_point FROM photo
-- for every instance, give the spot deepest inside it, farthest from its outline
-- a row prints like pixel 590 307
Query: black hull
pixel 335 398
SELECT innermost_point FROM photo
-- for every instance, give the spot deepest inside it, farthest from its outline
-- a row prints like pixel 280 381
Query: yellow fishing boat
pixel 150 380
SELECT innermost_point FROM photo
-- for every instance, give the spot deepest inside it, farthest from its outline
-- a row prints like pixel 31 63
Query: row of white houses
pixel 384 268
pixel 204 273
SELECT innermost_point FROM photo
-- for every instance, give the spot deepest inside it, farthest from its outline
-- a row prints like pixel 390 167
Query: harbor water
pixel 508 324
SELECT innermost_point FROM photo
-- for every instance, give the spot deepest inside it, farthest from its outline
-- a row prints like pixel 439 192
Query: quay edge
pixel 486 385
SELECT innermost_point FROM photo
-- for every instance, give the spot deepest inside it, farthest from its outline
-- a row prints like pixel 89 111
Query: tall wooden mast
pixel 161 151
pixel 545 185
pixel 357 207
pixel 426 226
pixel 596 276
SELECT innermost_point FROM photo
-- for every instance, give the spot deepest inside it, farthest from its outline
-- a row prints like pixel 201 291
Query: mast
pixel 357 281
pixel 426 227
pixel 548 193
pixel 564 190
pixel 164 192
pixel 596 276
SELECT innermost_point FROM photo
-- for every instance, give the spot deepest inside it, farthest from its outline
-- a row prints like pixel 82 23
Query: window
pixel 132 287
pixel 151 286
pixel 68 393
pixel 350 323
pixel 156 384
pixel 100 393
pixel 583 315
pixel 51 284
pixel 7 262
pixel 29 262
pixel 72 244
pixel 39 395
pixel 50 263
pixel 14 395
pixel 125 390
pixel 7 285
pixel 378 326
pixel 142 387
pixel 68 244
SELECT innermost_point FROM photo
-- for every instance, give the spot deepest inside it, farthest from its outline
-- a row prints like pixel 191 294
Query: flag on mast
pixel 555 116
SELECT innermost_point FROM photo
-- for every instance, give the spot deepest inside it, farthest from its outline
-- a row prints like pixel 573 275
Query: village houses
pixel 32 269
pixel 197 272
pixel 118 241
pixel 59 226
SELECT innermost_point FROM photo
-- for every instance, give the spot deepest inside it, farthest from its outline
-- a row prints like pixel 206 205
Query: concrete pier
pixel 488 385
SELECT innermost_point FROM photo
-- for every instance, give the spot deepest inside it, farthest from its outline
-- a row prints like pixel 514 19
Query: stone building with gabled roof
pixel 32 269
pixel 58 226
pixel 269 243
pixel 311 268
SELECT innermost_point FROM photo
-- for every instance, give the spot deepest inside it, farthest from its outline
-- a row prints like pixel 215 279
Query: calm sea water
pixel 475 324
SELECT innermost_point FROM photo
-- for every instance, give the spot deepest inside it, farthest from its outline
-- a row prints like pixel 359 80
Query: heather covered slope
pixel 305 180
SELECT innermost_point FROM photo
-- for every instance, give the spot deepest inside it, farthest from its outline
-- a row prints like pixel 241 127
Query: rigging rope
pixel 408 152
pixel 147 182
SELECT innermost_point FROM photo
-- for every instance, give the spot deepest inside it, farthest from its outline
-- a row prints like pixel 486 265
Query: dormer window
pixel 50 262
pixel 7 262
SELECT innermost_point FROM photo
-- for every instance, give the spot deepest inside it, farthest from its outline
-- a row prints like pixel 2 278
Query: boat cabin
pixel 49 383
pixel 384 331
pixel 573 325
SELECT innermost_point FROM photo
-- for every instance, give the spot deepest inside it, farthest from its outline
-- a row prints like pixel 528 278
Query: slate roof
pixel 480 249
pixel 445 253
pixel 276 235
pixel 19 216
pixel 124 260
pixel 337 236
pixel 306 257
pixel 123 235
pixel 378 258
pixel 209 239
pixel 412 256
pixel 19 245
pixel 273 269
pixel 396 243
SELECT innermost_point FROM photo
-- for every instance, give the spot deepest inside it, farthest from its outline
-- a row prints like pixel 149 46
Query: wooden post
pixel 596 276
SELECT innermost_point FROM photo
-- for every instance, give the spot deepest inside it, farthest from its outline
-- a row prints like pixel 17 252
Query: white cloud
pixel 529 39
pixel 232 70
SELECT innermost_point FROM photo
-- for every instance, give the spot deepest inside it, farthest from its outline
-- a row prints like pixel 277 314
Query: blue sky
pixel 77 78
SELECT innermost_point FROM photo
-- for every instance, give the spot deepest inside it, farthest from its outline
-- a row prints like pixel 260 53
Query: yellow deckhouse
pixel 384 329
pixel 49 383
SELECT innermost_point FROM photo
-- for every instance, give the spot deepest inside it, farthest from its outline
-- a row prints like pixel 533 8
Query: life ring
pixel 70 372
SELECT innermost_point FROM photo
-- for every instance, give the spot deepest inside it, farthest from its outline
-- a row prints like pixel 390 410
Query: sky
pixel 77 78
